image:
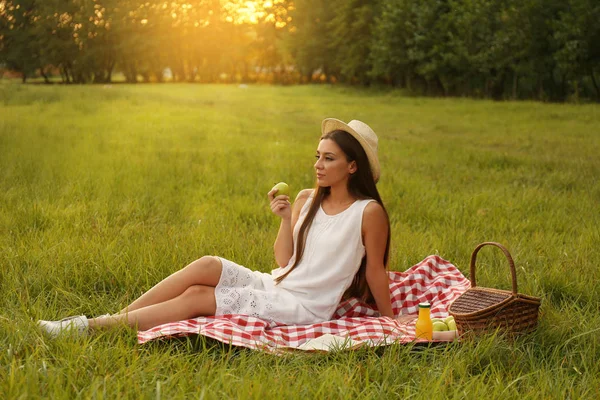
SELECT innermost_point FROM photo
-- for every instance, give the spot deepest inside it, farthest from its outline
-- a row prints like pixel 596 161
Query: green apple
pixel 451 325
pixel 439 326
pixel 448 319
pixel 282 189
pixel 436 320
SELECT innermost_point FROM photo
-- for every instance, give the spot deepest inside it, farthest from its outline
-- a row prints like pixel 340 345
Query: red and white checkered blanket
pixel 434 280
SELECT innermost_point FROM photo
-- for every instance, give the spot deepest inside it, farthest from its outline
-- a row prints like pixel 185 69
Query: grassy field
pixel 106 190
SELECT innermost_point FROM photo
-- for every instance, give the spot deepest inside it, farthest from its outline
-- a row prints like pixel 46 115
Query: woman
pixel 333 242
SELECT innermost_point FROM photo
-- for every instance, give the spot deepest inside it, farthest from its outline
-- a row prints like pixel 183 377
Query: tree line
pixel 501 49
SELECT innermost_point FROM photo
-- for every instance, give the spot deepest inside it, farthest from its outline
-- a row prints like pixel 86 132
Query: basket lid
pixel 477 299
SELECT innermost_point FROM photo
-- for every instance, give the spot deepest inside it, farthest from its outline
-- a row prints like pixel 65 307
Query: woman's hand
pixel 280 205
pixel 405 319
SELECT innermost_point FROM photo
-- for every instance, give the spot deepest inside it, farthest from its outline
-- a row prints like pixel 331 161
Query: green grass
pixel 106 190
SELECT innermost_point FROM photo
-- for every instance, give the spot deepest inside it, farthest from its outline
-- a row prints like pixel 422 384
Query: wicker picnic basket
pixel 484 310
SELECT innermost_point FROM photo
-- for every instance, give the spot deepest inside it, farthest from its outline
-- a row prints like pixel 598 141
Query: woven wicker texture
pixel 477 300
pixel 483 310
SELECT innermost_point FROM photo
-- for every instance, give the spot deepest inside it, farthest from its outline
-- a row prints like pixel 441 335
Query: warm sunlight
pixel 253 12
pixel 198 14
pixel 247 11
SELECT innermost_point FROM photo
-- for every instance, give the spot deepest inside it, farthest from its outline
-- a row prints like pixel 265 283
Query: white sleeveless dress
pixel 312 291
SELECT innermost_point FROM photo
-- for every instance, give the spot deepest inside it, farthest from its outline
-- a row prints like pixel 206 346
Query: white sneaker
pixel 77 325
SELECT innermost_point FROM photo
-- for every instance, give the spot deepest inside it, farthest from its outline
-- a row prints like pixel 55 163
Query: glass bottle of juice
pixel 423 326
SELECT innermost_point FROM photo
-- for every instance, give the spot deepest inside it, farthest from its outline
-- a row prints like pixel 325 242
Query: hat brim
pixel 331 124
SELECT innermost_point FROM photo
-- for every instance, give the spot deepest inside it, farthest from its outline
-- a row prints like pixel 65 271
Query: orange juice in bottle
pixel 423 326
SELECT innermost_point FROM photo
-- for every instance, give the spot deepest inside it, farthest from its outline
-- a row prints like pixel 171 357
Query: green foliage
pixel 500 49
pixel 106 190
pixel 389 55
pixel 350 30
pixel 309 37
pixel 577 34
pixel 482 48
pixel 19 48
pixel 87 40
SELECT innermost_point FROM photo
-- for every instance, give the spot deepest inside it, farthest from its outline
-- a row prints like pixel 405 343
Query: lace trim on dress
pixel 234 293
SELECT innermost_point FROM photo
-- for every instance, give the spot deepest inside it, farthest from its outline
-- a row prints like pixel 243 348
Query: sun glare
pixel 249 12
pixel 252 12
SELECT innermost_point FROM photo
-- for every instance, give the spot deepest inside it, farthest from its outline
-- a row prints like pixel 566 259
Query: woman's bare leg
pixel 195 301
pixel 205 271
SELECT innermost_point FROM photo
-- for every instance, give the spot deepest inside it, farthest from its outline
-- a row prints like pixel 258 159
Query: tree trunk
pixel 109 71
pixel 515 85
pixel 308 77
pixel 565 88
pixel 130 73
pixel 98 77
pixel 440 83
pixel 67 74
pixel 498 89
pixel 46 80
pixel 595 83
pixel 232 73
pixel 246 73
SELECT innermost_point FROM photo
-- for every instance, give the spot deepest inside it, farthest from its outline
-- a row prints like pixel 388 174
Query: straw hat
pixel 361 132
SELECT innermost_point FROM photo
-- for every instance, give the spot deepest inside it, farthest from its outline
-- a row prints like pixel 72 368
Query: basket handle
pixel 510 262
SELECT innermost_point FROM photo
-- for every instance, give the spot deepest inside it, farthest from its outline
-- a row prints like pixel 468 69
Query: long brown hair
pixel 361 185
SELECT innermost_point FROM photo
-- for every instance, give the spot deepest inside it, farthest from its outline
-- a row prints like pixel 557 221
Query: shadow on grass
pixel 208 346
pixel 195 344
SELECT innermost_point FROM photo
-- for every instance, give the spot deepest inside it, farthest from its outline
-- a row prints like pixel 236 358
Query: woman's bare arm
pixel 375 231
pixel 284 243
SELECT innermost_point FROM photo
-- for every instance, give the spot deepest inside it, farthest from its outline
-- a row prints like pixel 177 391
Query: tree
pixel 350 30
pixel 389 52
pixel 309 37
pixel 19 41
pixel 577 33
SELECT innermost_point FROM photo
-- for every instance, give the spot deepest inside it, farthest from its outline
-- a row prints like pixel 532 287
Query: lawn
pixel 105 190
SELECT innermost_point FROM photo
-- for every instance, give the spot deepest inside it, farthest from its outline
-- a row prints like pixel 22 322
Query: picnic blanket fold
pixel 354 323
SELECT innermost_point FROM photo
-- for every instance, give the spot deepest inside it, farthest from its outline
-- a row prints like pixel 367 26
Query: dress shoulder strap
pixel 307 203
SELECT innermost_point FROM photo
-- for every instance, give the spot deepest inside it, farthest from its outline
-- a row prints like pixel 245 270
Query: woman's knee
pixel 200 298
pixel 210 261
pixel 208 269
pixel 198 291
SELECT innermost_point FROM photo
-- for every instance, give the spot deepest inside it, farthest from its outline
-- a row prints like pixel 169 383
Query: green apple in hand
pixel 282 189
